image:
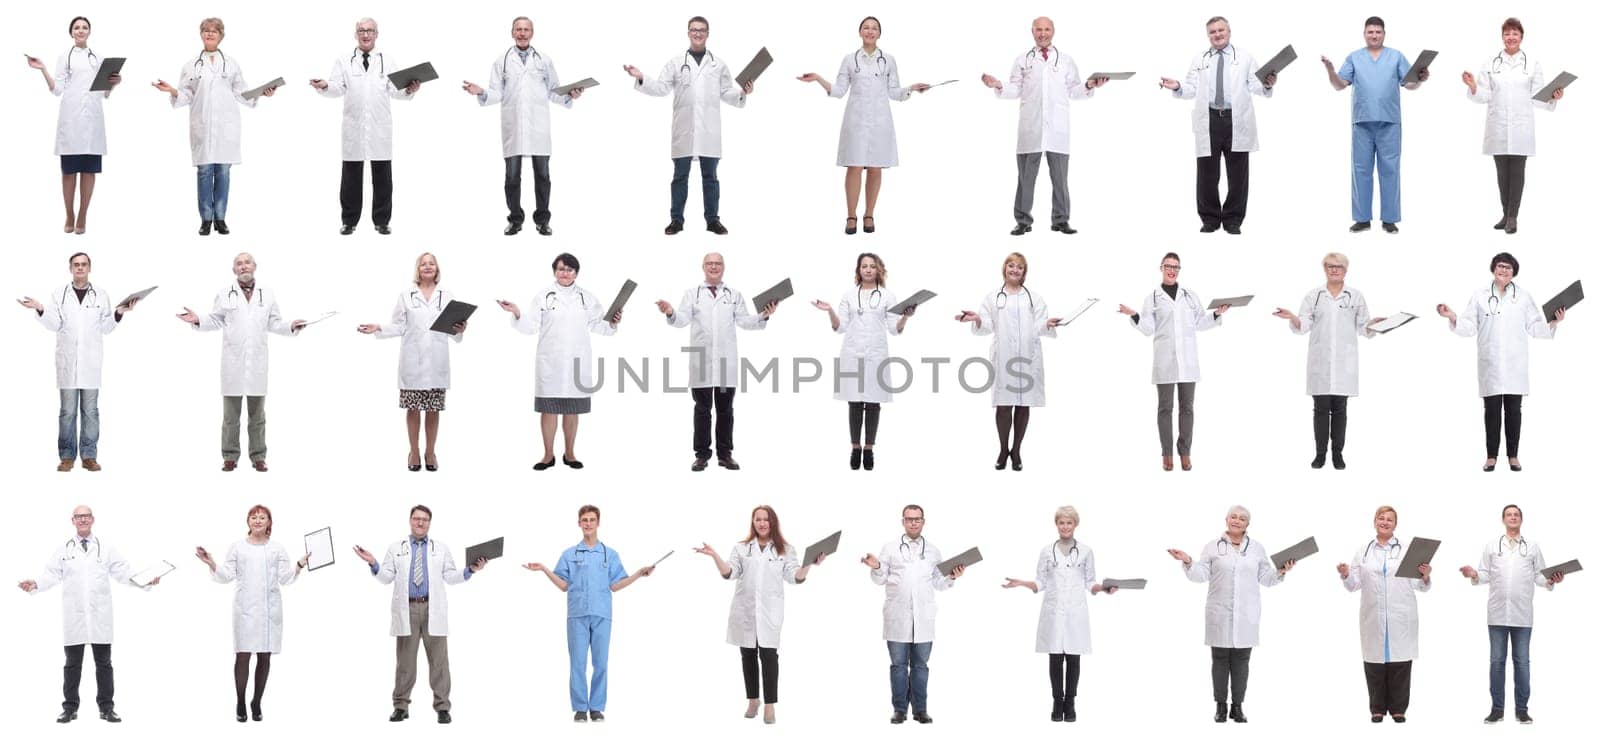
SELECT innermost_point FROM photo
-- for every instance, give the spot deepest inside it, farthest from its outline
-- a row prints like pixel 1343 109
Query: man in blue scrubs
pixel 1378 73
pixel 589 572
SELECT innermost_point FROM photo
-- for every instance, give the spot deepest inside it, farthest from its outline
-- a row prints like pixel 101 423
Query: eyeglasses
pixel 700 31
pixel 82 517
pixel 1173 268
pixel 1327 266
pixel 912 520
pixel 367 31
pixel 1499 265
pixel 711 264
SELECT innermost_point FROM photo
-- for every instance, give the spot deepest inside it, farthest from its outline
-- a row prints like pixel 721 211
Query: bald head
pixel 83 520
pixel 1044 32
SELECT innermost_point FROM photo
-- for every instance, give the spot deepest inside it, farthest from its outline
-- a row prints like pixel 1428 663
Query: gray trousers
pixel 1027 173
pixel 1185 416
pixel 405 662
pixel 257 427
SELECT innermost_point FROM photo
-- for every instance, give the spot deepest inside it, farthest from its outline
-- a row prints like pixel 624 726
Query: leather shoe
pixel 1166 462
pixel 512 229
pixel 867 461
pixel 543 229
pixel 221 226
pixel 1063 228
pixel 1237 713
pixel 110 715
pixel 255 711
pixel 1222 712
pixel 1183 462
pixel 727 462
pixel 346 229
pixel 1338 461
pixel 399 715
pixel 1360 226
pixel 1019 231
pixel 90 465
pixel 382 229
pixel 1209 228
pixel 229 465
pixel 205 228
pixel 868 225
pixel 716 227
pixel 855 458
pixel 922 718
pixel 1501 224
pixel 1390 228
pixel 699 464
pixel 897 718
pixel 1319 461
pixel 543 465
pixel 1231 229
pixel 65 466
pixel 574 464
pixel 580 716
pixel 444 717
pixel 596 716
pixel 1511 226
pixel 259 465
pixel 66 716
pixel 674 227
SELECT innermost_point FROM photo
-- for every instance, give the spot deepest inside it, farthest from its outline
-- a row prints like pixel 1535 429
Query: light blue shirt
pixel 1377 84
pixel 419 549
pixel 589 574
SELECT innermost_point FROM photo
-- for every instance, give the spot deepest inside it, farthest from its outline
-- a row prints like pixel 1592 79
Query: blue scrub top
pixel 1377 84
pixel 589 575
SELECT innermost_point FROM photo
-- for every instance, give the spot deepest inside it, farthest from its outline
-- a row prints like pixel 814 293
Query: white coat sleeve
pixel 215 320
pixel 1076 90
pixel 1041 571
pixel 495 91
pixel 984 326
pixel 1485 568
pixel 452 575
pixel 1267 575
pixel 1538 572
pixel 1089 580
pixel 1538 84
pixel 598 321
pixel 731 93
pixel 54 572
pixel 791 566
pixel 1011 89
pixel 680 315
pixel 108 319
pixel 1485 86
pixel 880 574
pixel 893 318
pixel 552 82
pixel 896 92
pixel 1144 322
pixel 1191 82
pixel 743 319
pixel 287 572
pixel 841 83
pixel 188 85
pixel 228 569
pixel 1363 317
pixel 735 562
pixel 1204 319
pixel 1199 568
pixel 275 321
pixel 1466 323
pixel 846 313
pixel 1533 321
pixel 397 321
pixel 1307 317
pixel 119 571
pixel 237 86
pixel 1252 81
pixel 336 82
pixel 659 87
pixel 531 319
pixel 1352 582
pixel 390 567
pixel 63 74
pixel 50 318
pixel 1041 320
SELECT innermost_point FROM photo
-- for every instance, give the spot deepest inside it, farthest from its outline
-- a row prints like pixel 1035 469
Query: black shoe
pixel 1338 461
pixel 66 716
pixel 346 229
pixel 1000 462
pixel 1495 715
pixel 255 711
pixel 580 716
pixel 674 227
pixel 542 465
pixel 868 228
pixel 717 228
pixel 1209 228
pixel 110 715
pixel 205 228
pixel 1488 468
pixel 1063 228
pixel 1019 231
pixel 1360 226
pixel 1318 461
pixel 699 464
pixel 1058 711
pixel 1071 714
pixel 1522 715
pixel 1399 719
pixel 922 718
pixel 444 716
pixel 1516 467
pixel 220 226
pixel 513 228
pixel 855 458
pixel 1511 226
pixel 399 715
pixel 1377 719
pixel 850 225
pixel 866 459
pixel 1222 712
pixel 1231 229
pixel 727 462
pixel 574 464
pixel 899 718
pixel 1390 228
pixel 596 716
pixel 384 230
pixel 238 713
pixel 1501 224
pixel 543 229
pixel 1237 713
pixel 1016 460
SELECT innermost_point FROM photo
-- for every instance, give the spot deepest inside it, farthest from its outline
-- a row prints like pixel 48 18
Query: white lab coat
pixel 1389 621
pixel 256 572
pixel 81 124
pixel 1016 356
pixel 1175 357
pixel 1065 579
pixel 1201 85
pixel 755 618
pixel 1511 569
pixel 424 353
pixel 696 88
pixel 524 92
pixel 1502 326
pixel 911 575
pixel 244 325
pixel 213 90
pixel 866 324
pixel 1047 89
pixel 80 329
pixel 85 578
pixel 1233 594
pixel 442 572
pixel 1333 362
pixel 1507 87
pixel 562 317
pixel 367 130
pixel 712 323
pixel 866 136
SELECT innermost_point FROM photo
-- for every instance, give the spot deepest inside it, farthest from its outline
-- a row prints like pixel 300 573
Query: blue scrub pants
pixel 1375 142
pixel 588 637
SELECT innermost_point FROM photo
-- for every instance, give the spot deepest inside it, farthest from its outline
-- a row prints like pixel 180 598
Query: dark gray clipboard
pixel 1565 299
pixel 102 79
pixel 1424 60
pixel 455 312
pixel 420 73
pixel 777 293
pixel 1277 63
pixel 753 70
pixel 622 299
pixel 487 550
pixel 917 299
pixel 257 92
pixel 1299 551
pixel 1420 550
pixel 826 546
pixel 968 558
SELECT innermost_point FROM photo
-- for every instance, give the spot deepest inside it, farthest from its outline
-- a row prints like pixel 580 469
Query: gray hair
pixel 1216 18
pixel 1067 512
pixel 1237 509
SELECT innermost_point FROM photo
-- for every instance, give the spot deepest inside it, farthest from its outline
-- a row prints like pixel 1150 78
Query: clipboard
pixel 113 65
pixel 826 546
pixel 917 299
pixel 622 298
pixel 1566 299
pixel 1111 75
pixel 1238 301
pixel 1545 94
pixel 420 73
pixel 1393 322
pixel 455 312
pixel 1076 312
pixel 783 290
pixel 1565 569
pixel 583 84
pixel 941 84
pixel 968 558
pixel 143 578
pixel 1121 583
pixel 486 550
pixel 1421 550
pixel 1299 551
pixel 321 318
pixel 254 93
pixel 1421 65
pixel 319 549
pixel 663 557
pixel 1277 63
pixel 754 69
pixel 139 296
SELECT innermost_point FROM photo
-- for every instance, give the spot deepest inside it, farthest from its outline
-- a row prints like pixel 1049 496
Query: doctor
pixel 589 572
pixel 1221 80
pixel 1235 567
pixel 1046 80
pixel 1511 566
pixel 1066 576
pixel 420 567
pixel 713 311
pixel 367 132
pixel 213 87
pixel 1377 72
pixel 81 123
pixel 1173 315
pixel 523 82
pixel 1506 84
pixel 1017 318
pixel 1388 616
pixel 85 568
pixel 908 569
pixel 1502 317
pixel 79 326
pixel 562 318
pixel 759 564
pixel 697 81
pixel 245 312
pixel 1334 316
pixel 864 320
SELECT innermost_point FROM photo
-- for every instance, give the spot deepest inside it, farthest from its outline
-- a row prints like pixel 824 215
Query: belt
pixel 419 599
pixel 1222 112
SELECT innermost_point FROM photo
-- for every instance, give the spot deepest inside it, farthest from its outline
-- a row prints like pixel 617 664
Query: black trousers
pixel 1510 172
pixel 350 192
pixel 73 675
pixel 704 400
pixel 1492 407
pixel 1229 665
pixel 1328 420
pixel 1208 173
pixel 541 189
pixel 1388 687
pixel 864 414
pixel 766 675
pixel 1064 670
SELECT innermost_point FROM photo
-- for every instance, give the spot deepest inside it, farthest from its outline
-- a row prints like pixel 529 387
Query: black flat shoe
pixel 898 718
pixel 574 464
pixel 673 228
pixel 432 467
pixel 1209 228
pixel 867 226
pixel 413 466
pixel 1390 228
pixel 543 229
pixel 1318 461
pixel 1516 467
pixel 922 718
pixel 221 227
pixel 717 228
pixel 1488 467
pixel 699 464
pixel 346 230
pixel 66 716
pixel 1000 462
pixel 512 229
pixel 850 225
pixel 110 716
pixel 1232 229
pixel 545 464
pixel 1360 226
pixel 382 229
pixel 1018 231
pixel 1063 227
pixel 444 716
pixel 1016 460
pixel 205 228
pixel 1377 719
pixel 1338 461
pixel 1071 715
pixel 399 715
pixel 855 458
pixel 1501 224
pixel 1511 226
pixel 727 462
pixel 866 460
pixel 1399 718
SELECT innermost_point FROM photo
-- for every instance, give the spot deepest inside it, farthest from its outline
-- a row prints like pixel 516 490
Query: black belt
pixel 419 599
pixel 1222 112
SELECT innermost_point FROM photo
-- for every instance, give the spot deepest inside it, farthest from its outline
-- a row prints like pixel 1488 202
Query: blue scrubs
pixel 589 574
pixel 1375 130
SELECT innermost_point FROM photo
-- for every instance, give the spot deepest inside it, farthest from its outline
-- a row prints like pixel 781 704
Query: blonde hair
pixel 215 22
pixel 1387 510
pixel 1339 258
pixel 416 274
pixel 1019 259
pixel 1067 512
pixel 883 272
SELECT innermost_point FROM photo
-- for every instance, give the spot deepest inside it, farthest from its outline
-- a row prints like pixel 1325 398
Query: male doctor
pixel 1046 81
pixel 1221 80
pixel 697 81
pixel 79 315
pixel 367 133
pixel 86 567
pixel 523 82
pixel 245 312
pixel 420 567
pixel 1511 566
pixel 1377 72
pixel 909 569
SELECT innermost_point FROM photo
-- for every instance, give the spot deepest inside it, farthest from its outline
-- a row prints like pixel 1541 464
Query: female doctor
pixel 213 87
pixel 1502 316
pixel 1172 315
pixel 864 320
pixel 1017 318
pixel 1388 615
pixel 760 563
pixel 1234 567
pixel 1506 84
pixel 424 355
pixel 81 124
pixel 866 136
pixel 1066 576
pixel 256 566
pixel 562 319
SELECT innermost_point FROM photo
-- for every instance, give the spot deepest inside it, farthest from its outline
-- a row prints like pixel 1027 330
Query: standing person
pixel 1506 84
pixel 1221 80
pixel 420 568
pixel 85 568
pixel 863 318
pixel 908 569
pixel 698 82
pixel 367 131
pixel 257 567
pixel 245 312
pixel 713 311
pixel 80 325
pixel 1046 81
pixel 81 123
pixel 1511 566
pixel 866 136
pixel 213 87
pixel 523 82
pixel 1377 72
pixel 1388 615
pixel 1017 318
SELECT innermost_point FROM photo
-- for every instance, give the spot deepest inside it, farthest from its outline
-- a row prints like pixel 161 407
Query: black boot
pixel 205 228
pixel 1237 714
pixel 855 458
pixel 1337 427
pixel 1222 712
pixel 1058 711
pixel 1071 709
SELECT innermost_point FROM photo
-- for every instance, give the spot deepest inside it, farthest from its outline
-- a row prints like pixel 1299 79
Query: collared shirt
pixel 589 573
pixel 1377 84
pixel 1221 58
pixel 1511 568
pixel 419 549
pixel 523 53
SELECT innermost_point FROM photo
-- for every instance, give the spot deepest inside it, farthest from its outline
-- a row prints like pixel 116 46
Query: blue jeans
pixel 710 189
pixel 71 439
pixel 1375 143
pixel 908 675
pixel 1519 638
pixel 211 189
pixel 586 637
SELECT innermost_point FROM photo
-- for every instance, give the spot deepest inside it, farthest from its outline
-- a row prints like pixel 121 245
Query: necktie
pixel 1221 64
pixel 85 544
pixel 364 62
pixel 416 564
pixel 713 290
pixel 1044 54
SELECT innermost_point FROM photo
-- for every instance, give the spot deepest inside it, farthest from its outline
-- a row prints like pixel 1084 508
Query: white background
pixel 337 450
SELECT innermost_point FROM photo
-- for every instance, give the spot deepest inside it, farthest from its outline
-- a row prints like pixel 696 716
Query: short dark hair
pixel 86 22
pixel 588 508
pixel 872 18
pixel 909 507
pixel 423 509
pixel 1171 256
pixel 701 19
pixel 1506 257
pixel 1374 21
pixel 84 255
pixel 1509 24
pixel 1509 507
pixel 564 259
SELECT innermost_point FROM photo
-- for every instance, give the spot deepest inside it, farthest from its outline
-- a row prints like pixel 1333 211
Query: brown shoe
pixel 90 465
pixel 1184 460
pixel 229 465
pixel 259 465
pixel 1166 462
pixel 65 466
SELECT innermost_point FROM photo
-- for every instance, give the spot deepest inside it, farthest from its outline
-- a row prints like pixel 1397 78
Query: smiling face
pixel 1238 522
pixel 427 269
pixel 1503 272
pixel 712 266
pixel 1512 38
pixel 80 31
pixel 912 519
pixel 1219 33
pixel 1065 526
pixel 210 35
pixel 698 33
pixel 1044 32
pixel 589 524
pixel 82 521
pixel 366 34
pixel 1170 267
pixel 1334 270
pixel 259 521
pixel 420 522
pixel 1374 35
pixel 1384 523
pixel 1016 272
pixel 761 523
pixel 870 30
pixel 522 32
pixel 565 275
pixel 1512 518
pixel 244 268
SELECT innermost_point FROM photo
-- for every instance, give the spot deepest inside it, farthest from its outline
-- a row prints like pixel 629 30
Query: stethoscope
pixel 1494 300
pixel 725 297
pixel 552 301
pixel 883 64
pixel 605 556
pixel 922 542
pixel 1187 296
pixel 1206 58
pixel 684 68
pixel 75 547
pixel 418 302
pixel 1392 550
pixel 405 548
pixel 379 55
pixel 1034 53
pixel 200 62
pixel 233 295
pixel 1073 556
pixel 874 299
pixel 1343 301
pixel 1520 60
pixel 1522 546
pixel 1223 545
pixel 772 550
pixel 505 61
pixel 88 292
pixel 1000 297
pixel 86 49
